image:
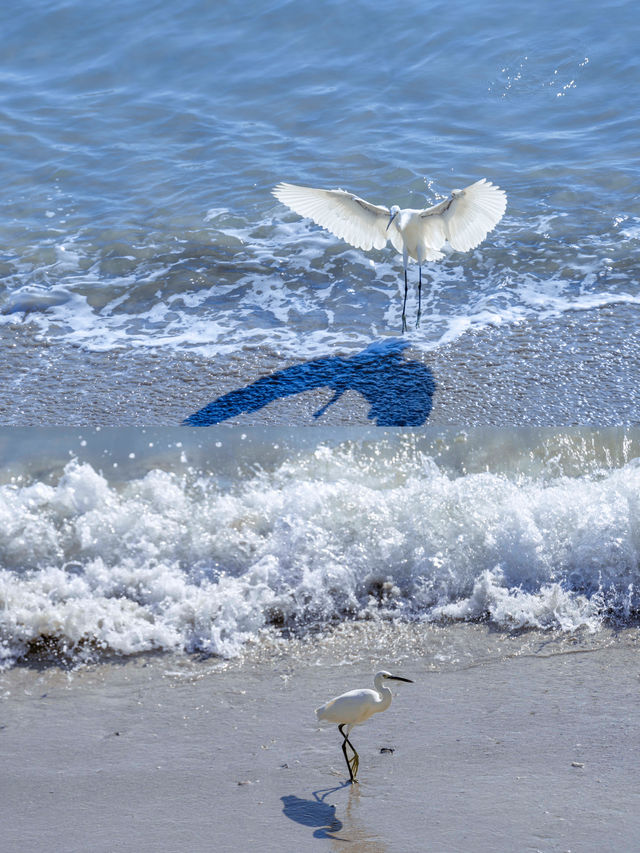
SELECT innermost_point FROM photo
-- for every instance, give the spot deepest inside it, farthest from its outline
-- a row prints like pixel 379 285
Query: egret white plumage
pixel 353 708
pixel 463 220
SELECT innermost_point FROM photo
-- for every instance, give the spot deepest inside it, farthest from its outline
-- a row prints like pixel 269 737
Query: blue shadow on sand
pixel 315 812
pixel 398 390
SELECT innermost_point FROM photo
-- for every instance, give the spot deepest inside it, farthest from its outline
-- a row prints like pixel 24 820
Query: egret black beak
pixel 391 218
pixel 400 678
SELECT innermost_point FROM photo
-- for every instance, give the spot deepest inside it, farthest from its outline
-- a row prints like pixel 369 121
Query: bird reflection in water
pixel 318 813
pixel 399 390
pixel 314 812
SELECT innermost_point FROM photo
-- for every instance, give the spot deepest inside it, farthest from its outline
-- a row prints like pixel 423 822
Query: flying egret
pixel 353 708
pixel 463 220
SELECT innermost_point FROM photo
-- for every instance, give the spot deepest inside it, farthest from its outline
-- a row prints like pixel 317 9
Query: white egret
pixel 353 708
pixel 463 220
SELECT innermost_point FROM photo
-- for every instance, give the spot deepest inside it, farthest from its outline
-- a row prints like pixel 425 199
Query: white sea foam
pixel 188 561
pixel 284 284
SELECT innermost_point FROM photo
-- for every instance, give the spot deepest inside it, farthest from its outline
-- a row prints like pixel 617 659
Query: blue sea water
pixel 140 140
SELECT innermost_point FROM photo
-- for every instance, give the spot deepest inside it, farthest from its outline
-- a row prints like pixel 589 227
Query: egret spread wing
pixel 353 219
pixel 469 215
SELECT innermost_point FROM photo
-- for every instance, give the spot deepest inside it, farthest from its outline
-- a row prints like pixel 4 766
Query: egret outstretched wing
pixel 463 220
pixel 349 217
pixel 468 216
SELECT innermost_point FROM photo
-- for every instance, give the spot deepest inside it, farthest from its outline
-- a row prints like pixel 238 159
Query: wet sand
pixel 583 369
pixel 518 751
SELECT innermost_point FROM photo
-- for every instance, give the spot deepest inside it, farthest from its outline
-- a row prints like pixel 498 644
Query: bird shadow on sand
pixel 315 812
pixel 399 390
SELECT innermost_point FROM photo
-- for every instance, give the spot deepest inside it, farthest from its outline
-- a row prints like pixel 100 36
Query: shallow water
pixel 140 143
pixel 544 735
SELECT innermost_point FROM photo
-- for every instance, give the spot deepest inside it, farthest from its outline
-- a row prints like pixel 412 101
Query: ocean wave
pixel 194 562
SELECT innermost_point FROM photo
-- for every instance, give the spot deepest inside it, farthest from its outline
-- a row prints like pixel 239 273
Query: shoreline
pixel 582 368
pixel 501 752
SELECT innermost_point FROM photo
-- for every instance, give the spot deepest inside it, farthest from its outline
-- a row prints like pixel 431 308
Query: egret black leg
pixel 352 763
pixel 419 295
pixel 404 305
pixel 346 758
pixel 346 737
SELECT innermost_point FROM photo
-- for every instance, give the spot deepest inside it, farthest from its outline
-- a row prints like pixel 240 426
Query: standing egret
pixel 463 220
pixel 353 708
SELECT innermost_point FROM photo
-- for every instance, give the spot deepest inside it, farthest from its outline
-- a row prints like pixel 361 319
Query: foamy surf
pixel 277 284
pixel 192 559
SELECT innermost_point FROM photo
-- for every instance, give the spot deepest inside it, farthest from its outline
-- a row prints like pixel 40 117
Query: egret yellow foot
pixel 354 763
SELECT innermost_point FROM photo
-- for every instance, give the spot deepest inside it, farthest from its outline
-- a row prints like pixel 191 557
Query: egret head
pixel 393 212
pixel 384 675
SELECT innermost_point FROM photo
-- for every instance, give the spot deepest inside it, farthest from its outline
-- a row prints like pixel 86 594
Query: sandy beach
pixel 543 373
pixel 528 743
